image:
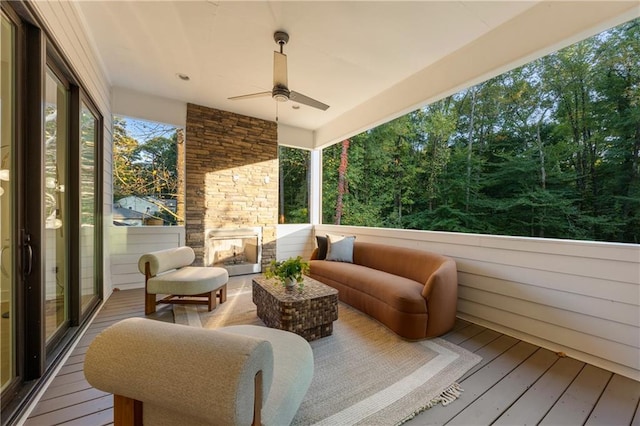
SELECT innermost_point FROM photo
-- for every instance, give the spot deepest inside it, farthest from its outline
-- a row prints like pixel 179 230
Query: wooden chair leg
pixel 257 401
pixel 212 300
pixel 126 411
pixel 223 293
pixel 149 303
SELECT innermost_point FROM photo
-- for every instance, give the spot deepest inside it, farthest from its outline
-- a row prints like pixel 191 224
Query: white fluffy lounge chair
pixel 169 272
pixel 169 374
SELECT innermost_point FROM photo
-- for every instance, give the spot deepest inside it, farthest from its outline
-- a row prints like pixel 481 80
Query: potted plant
pixel 289 272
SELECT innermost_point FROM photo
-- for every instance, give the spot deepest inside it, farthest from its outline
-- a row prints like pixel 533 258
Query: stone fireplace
pixel 239 250
pixel 231 180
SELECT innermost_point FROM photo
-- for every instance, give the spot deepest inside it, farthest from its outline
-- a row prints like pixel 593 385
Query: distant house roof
pixel 120 213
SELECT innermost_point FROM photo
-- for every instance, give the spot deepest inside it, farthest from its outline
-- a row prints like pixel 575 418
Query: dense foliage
pixel 294 185
pixel 551 149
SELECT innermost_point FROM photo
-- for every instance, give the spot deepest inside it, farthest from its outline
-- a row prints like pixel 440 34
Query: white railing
pixel 577 297
pixel 128 243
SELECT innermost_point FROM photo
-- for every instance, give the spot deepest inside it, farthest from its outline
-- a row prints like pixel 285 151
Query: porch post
pixel 315 187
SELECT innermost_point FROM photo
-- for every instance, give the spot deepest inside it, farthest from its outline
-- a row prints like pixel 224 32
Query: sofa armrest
pixel 314 254
pixel 206 373
pixel 441 295
pixel 442 280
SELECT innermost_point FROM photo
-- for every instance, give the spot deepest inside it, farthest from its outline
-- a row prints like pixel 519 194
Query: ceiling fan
pixel 280 91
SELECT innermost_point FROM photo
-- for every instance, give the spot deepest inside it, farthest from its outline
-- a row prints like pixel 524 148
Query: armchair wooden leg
pixel 223 293
pixel 212 300
pixel 149 303
pixel 257 402
pixel 126 411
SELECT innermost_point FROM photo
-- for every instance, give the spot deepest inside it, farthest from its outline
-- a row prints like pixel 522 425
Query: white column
pixel 315 187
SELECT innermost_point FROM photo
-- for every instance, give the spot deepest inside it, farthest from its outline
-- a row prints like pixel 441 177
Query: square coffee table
pixel 309 313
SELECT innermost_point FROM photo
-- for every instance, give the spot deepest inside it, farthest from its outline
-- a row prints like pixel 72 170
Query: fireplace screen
pixel 239 251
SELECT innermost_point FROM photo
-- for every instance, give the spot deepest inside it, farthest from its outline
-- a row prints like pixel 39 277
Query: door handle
pixel 28 255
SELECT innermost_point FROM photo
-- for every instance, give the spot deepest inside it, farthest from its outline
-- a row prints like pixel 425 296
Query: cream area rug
pixel 364 374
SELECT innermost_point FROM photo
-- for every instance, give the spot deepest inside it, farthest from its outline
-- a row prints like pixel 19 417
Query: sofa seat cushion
pixel 188 281
pixel 399 293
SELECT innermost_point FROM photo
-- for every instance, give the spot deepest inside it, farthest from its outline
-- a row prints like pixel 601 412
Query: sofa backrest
pixel 414 264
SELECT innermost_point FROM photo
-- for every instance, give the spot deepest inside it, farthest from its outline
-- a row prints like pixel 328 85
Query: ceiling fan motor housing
pixel 280 94
pixel 281 37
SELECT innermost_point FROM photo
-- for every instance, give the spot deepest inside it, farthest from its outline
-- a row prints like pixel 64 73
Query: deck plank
pixel 67 400
pixel 488 407
pixel 56 391
pixel 480 340
pixel 463 334
pixel 477 384
pixel 73 412
pixel 538 400
pixel 618 402
pixel 575 405
pixel 100 418
pixel 490 352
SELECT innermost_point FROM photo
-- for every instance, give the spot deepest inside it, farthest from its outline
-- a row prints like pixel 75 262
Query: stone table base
pixel 309 313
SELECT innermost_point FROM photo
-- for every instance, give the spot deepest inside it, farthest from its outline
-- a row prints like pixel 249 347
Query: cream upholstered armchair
pixel 169 374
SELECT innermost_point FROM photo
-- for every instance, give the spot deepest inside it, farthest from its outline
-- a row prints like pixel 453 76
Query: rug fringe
pixel 447 396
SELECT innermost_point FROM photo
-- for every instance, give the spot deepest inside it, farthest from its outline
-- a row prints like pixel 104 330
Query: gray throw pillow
pixel 340 248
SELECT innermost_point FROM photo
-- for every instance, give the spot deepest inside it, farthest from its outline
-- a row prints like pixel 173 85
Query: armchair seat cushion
pixel 188 281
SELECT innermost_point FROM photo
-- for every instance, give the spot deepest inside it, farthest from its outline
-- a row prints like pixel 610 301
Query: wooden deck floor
pixel 515 384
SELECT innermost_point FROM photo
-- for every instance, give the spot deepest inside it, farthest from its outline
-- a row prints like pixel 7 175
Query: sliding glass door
pixel 89 220
pixel 50 207
pixel 7 197
pixel 56 233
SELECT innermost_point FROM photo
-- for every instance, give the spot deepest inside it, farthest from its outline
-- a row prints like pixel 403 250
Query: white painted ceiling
pixel 342 53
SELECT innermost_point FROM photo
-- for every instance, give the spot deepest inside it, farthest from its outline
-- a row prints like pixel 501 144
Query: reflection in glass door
pixel 7 197
pixel 56 233
pixel 88 146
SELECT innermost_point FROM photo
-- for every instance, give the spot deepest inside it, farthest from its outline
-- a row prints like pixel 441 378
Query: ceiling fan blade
pixel 302 99
pixel 280 69
pixel 250 96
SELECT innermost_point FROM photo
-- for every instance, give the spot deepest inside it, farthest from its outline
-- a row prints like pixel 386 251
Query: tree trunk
pixel 281 217
pixel 180 166
pixel 470 146
pixel 342 172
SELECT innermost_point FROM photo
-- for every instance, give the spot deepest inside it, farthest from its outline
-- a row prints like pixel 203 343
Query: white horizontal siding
pixel 578 297
pixel 128 243
pixel 64 24
pixel 294 240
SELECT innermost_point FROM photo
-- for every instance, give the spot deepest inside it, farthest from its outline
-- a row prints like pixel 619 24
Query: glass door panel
pixel 88 144
pixel 56 233
pixel 7 194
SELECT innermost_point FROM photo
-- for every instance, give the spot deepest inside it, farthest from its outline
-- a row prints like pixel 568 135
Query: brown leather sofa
pixel 413 292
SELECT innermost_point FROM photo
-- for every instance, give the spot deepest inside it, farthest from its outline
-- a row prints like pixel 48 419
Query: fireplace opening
pixel 239 251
